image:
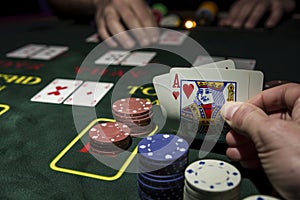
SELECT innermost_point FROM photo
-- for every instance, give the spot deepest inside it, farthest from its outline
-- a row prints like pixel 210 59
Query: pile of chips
pixel 109 138
pixel 162 160
pixel 136 113
pixel 211 179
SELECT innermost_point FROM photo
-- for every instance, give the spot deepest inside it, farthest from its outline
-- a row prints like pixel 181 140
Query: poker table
pixel 43 155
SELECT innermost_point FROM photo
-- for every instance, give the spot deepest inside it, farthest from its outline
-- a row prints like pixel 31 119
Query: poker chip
pixel 109 138
pixel 274 83
pixel 260 197
pixel 211 179
pixel 162 159
pixel 136 113
pixel 131 106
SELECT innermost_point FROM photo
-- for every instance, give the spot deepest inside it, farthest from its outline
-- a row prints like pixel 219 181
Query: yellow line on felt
pixel 5 108
pixel 86 174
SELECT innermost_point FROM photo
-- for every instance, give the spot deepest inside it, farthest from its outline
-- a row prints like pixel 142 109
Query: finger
pixel 251 164
pixel 234 139
pixel 242 153
pixel 245 118
pixel 132 21
pixel 280 98
pixel 276 15
pixel 233 13
pixel 147 19
pixel 243 14
pixel 117 29
pixel 257 13
pixel 103 33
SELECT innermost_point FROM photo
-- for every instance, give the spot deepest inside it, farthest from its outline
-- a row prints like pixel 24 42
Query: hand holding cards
pixel 198 93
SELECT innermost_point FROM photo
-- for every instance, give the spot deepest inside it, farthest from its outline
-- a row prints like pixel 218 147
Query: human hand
pixel 247 13
pixel 113 15
pixel 266 131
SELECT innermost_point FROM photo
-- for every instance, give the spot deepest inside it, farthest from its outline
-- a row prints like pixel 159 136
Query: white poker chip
pixel 260 197
pixel 212 176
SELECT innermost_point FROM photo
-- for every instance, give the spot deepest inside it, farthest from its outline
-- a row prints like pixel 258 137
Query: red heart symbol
pixel 175 95
pixel 188 89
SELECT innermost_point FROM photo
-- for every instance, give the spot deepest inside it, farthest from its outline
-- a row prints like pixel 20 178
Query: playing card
pixel 242 63
pixel 175 77
pixel 49 53
pixel 202 60
pixel 243 79
pixel 163 91
pixel 112 57
pixel 89 94
pixel 26 51
pixel 57 91
pixel 171 37
pixel 138 58
pixel 94 38
pixel 202 100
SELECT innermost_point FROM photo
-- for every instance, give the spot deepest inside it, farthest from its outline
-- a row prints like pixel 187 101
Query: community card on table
pixel 138 58
pixel 57 91
pixel 26 51
pixel 112 57
pixel 49 53
pixel 170 37
pixel 89 94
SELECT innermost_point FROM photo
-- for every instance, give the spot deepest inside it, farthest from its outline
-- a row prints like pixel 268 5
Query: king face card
pixel 57 91
pixel 201 101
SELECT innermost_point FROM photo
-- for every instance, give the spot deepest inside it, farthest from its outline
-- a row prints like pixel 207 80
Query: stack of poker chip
pixel 260 197
pixel 162 159
pixel 109 138
pixel 211 179
pixel 136 113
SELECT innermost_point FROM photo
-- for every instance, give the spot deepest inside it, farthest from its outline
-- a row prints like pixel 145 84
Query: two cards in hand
pixel 73 92
pixel 37 51
pixel 211 84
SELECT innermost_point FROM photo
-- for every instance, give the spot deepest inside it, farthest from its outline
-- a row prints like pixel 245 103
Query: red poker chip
pixel 131 106
pixel 136 117
pixel 109 132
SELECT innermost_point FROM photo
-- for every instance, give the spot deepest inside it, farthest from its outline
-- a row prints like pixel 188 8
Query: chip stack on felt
pixel 136 113
pixel 211 179
pixel 162 159
pixel 109 138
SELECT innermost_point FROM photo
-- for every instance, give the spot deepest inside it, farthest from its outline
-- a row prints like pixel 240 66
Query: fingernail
pixel 228 109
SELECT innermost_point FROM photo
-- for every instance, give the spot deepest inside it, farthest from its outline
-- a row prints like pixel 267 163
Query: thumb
pixel 245 118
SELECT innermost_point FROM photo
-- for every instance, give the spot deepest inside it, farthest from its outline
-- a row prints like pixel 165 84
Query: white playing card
pixel 176 77
pixel 163 92
pixel 89 94
pixel 112 57
pixel 138 58
pixel 94 38
pixel 26 51
pixel 57 91
pixel 242 63
pixel 49 53
pixel 202 60
pixel 171 37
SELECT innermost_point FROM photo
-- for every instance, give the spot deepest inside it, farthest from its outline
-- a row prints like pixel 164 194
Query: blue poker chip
pixel 168 192
pixel 161 183
pixel 162 177
pixel 163 147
